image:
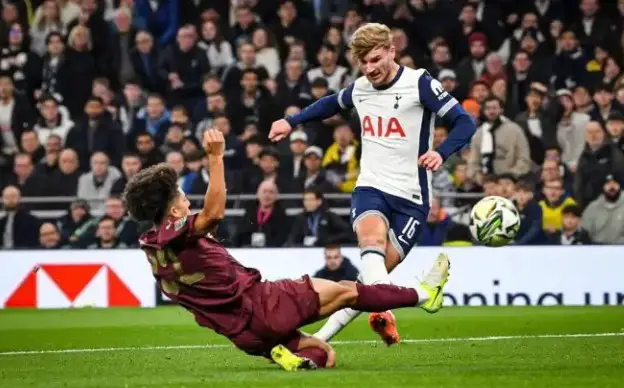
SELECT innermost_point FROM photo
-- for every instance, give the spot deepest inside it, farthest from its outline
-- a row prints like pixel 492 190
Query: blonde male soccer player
pixel 396 106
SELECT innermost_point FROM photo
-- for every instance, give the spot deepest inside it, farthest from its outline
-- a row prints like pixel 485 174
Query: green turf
pixel 508 363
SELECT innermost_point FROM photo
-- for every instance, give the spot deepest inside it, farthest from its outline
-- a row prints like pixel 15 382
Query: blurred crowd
pixel 92 91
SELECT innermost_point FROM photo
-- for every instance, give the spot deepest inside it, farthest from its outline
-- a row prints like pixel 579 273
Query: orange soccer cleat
pixel 384 324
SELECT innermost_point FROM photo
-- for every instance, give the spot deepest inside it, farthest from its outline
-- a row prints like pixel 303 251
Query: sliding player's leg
pixel 369 216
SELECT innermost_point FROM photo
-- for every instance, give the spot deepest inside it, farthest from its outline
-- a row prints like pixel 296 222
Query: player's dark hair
pixel 150 192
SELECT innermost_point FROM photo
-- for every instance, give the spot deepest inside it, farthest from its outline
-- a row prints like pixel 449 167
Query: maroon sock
pixel 382 297
pixel 316 355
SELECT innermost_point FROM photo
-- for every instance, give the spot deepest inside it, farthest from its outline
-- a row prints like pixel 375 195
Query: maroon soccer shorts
pixel 280 308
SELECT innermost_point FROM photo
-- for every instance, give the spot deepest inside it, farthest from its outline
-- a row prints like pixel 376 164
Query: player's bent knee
pixel 372 241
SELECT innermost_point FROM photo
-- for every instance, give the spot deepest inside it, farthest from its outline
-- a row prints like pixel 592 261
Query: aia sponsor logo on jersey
pixel 381 127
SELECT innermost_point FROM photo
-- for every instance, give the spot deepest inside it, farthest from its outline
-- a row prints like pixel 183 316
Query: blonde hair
pixel 75 31
pixel 369 37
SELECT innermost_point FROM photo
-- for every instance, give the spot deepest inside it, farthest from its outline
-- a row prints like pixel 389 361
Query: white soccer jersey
pixel 397 123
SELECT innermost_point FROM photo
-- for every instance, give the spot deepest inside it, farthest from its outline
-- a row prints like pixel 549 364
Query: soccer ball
pixel 494 221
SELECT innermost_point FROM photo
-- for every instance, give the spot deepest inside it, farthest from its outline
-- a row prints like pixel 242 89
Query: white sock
pixel 373 272
pixel 423 295
pixel 374 266
pixel 335 323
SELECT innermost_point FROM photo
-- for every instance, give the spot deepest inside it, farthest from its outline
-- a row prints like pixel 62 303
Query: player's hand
pixel 431 160
pixel 279 130
pixel 214 143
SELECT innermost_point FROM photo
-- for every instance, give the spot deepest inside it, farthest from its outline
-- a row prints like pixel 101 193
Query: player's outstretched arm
pixel 322 109
pixel 461 125
pixel 214 200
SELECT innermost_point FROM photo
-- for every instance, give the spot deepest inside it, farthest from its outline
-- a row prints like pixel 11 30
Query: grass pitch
pixel 458 347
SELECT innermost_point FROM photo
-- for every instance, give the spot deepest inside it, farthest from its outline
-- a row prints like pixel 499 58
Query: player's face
pixel 377 64
pixel 181 206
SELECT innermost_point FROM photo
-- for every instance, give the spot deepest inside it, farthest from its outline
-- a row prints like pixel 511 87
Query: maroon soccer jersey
pixel 198 273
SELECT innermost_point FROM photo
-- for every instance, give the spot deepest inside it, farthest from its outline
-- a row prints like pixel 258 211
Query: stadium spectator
pixel 561 170
pixel 75 224
pixel 570 129
pixel 604 217
pixel 147 151
pixel 68 10
pixel 433 233
pixel 555 199
pixel 507 185
pixel 329 69
pixel 317 225
pixel 49 163
pixel 440 134
pixel 291 84
pixel 96 133
pixel 571 232
pixel 122 41
pixel 218 50
pixel 17 60
pixel 615 130
pixel 537 125
pixel 15 117
pixel 463 185
pixel 130 165
pixel 246 54
pixel 314 176
pixel 161 18
pixel 29 182
pixel 106 237
pixel 598 159
pixel 144 58
pixel 472 67
pixel 293 165
pixel 49 236
pixel 337 267
pixel 153 119
pixel 499 146
pixel 341 160
pixel 266 54
pixel 531 231
pixel 66 177
pixel 96 185
pixel 253 102
pixel 244 25
pixel 603 98
pixel 18 227
pixel 53 119
pixel 442 185
pixel 183 64
pixel 265 223
pixel 29 144
pixel 233 156
pixel 126 229
pixel 268 168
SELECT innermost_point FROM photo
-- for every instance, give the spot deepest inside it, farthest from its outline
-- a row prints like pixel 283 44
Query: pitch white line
pixel 363 342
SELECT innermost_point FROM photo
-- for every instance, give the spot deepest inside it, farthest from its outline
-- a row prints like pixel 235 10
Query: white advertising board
pixel 584 275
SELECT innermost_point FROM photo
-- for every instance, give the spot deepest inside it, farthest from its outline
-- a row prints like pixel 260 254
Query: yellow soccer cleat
pixel 434 283
pixel 289 361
